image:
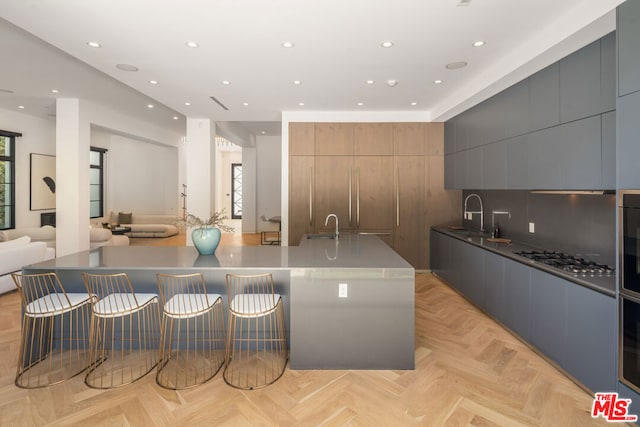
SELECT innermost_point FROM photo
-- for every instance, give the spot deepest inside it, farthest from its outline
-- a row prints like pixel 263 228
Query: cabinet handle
pixel 311 196
pixel 350 177
pixel 358 197
pixel 397 197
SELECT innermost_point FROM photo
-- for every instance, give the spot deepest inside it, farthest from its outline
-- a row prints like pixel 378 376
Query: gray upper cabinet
pixel 517 163
pixel 628 30
pixel 628 148
pixel 544 99
pixel 609 150
pixel 516 109
pixel 543 154
pixel 494 162
pixel 474 168
pixel 460 159
pixel 449 136
pixel 608 72
pixel 580 83
pixel 580 154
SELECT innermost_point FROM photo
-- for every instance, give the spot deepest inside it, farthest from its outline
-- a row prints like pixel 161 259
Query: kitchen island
pixel 372 327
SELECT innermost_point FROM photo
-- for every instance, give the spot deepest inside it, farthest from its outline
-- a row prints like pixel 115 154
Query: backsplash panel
pixel 577 224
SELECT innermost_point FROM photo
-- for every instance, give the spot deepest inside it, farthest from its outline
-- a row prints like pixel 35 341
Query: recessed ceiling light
pixel 414 103
pixel 175 117
pixel 392 82
pixel 301 104
pixel 54 90
pixel 192 44
pixel 455 65
pixel 478 43
pixel 21 107
pixel 127 67
pixel 437 81
pixel 246 104
pixel 187 103
pixel 386 44
pixel 93 44
pixel 287 45
pixel 296 82
pixel 225 82
pixel 153 82
pixel 370 82
pixel 360 104
pixel 263 132
pixel 150 105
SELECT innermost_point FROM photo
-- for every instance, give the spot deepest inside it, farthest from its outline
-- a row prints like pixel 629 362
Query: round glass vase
pixel 206 239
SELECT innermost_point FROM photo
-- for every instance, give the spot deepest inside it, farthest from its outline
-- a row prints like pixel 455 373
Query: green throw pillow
pixel 125 217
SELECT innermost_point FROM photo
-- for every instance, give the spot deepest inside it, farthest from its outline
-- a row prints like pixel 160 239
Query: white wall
pixel 38 136
pixel 268 180
pixel 249 159
pixel 140 177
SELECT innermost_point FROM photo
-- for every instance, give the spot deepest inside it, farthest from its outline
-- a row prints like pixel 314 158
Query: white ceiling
pixel 337 48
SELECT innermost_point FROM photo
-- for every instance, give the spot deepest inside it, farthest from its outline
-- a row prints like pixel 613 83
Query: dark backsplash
pixel 577 224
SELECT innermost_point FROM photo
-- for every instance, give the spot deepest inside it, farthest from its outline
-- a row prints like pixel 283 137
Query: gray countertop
pixel 349 251
pixel 603 284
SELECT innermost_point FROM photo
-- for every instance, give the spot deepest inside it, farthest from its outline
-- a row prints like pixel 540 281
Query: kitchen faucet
pixel 469 214
pixel 326 221
pixel 494 213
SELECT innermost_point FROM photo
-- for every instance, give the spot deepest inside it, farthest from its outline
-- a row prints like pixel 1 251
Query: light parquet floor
pixel 469 372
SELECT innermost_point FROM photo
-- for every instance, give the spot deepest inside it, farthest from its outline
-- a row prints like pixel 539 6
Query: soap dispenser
pixel 496 232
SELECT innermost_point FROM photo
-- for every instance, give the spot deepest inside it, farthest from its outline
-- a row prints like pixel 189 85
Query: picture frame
pixel 42 182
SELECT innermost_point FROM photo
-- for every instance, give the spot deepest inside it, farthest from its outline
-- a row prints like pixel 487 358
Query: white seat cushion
pixel 254 305
pixel 56 303
pixel 119 304
pixel 185 305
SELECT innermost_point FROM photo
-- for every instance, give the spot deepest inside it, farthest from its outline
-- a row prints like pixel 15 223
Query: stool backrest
pixel 256 284
pixel 117 285
pixel 34 287
pixel 178 288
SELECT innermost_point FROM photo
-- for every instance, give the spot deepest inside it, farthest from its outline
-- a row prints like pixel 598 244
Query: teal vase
pixel 206 239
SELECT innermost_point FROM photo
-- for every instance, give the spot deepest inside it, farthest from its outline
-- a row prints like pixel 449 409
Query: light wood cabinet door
pixel 333 192
pixel 373 182
pixel 373 139
pixel 301 139
pixel 408 139
pixel 334 139
pixel 408 233
pixel 301 176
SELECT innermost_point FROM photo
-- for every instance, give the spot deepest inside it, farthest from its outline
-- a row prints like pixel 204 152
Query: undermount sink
pixel 321 236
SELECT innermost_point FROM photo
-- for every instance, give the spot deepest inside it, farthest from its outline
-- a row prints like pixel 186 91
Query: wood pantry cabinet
pixel 374 177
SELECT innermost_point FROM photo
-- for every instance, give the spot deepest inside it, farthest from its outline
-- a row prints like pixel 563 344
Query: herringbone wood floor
pixel 469 372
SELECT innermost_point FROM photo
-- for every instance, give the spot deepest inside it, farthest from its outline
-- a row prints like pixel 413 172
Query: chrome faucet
pixel 469 214
pixel 326 221
pixel 494 213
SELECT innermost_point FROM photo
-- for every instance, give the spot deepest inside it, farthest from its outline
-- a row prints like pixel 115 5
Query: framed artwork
pixel 43 182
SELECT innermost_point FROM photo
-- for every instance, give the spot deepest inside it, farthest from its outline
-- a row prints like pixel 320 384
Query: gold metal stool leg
pixel 54 344
pixel 193 337
pixel 257 351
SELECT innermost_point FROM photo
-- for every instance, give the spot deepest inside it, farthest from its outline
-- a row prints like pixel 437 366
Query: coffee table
pixel 119 231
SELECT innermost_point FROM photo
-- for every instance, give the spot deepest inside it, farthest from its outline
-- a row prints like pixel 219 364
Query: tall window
pixel 236 190
pixel 96 182
pixel 7 179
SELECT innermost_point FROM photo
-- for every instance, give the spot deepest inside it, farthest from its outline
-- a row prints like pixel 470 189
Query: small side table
pixel 120 231
pixel 272 237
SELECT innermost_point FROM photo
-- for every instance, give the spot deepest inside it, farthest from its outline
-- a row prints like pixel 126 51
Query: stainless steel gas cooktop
pixel 568 263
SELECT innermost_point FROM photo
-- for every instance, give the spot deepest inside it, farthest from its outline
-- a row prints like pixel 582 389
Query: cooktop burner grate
pixel 569 263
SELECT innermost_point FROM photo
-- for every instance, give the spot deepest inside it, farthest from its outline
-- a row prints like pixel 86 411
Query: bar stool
pixel 54 343
pixel 192 332
pixel 257 344
pixel 124 331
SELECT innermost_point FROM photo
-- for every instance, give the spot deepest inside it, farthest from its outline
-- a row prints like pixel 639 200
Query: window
pixel 96 182
pixel 236 191
pixel 7 179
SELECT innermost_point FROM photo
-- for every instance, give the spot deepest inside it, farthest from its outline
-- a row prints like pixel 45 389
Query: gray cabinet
pixel 548 315
pixel 580 83
pixel 591 338
pixel 494 165
pixel 543 154
pixel 493 285
pixel 608 72
pixel 609 150
pixel 449 137
pixel 628 148
pixel 517 298
pixel 474 168
pixel 460 159
pixel 516 109
pixel 517 163
pixel 544 98
pixel 580 157
pixel 628 34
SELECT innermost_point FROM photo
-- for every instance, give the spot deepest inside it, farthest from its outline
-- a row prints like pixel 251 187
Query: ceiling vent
pixel 214 99
pixel 463 3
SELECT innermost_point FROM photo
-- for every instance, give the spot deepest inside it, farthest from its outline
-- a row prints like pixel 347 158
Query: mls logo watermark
pixel 612 408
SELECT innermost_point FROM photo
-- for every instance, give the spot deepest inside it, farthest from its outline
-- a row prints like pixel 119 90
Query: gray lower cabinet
pixel 517 298
pixel 591 338
pixel 572 325
pixel 548 315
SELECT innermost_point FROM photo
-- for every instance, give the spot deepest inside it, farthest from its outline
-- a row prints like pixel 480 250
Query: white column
pixel 249 173
pixel 199 170
pixel 72 178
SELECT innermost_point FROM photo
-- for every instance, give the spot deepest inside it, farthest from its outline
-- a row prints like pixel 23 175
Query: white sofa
pixel 18 253
pixel 143 225
pixel 97 236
